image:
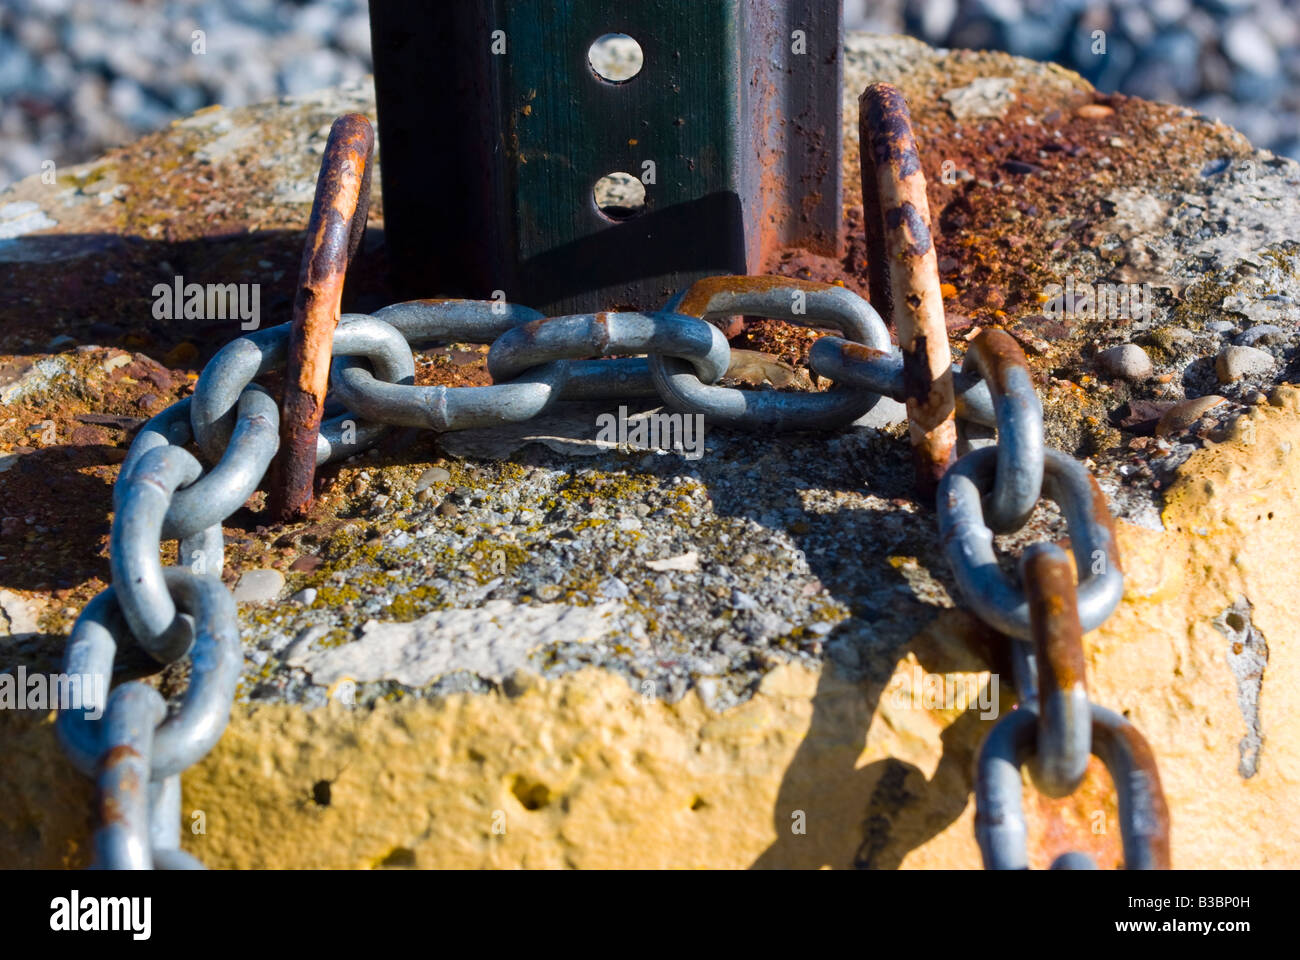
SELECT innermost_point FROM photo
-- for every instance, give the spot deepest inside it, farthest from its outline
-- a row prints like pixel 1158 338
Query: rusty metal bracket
pixel 337 225
pixel 904 275
pixel 495 129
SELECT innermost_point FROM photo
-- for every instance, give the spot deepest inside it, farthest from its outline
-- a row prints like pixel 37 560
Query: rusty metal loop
pixel 1000 825
pixel 607 334
pixel 334 232
pixel 1061 693
pixel 998 360
pixel 781 298
pixel 968 541
pixel 216 658
pixel 903 274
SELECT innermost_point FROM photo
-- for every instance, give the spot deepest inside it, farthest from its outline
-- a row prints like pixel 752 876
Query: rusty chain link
pixel 162 492
pixel 1056 728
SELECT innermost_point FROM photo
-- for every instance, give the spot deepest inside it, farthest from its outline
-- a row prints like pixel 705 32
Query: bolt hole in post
pixel 619 196
pixel 615 57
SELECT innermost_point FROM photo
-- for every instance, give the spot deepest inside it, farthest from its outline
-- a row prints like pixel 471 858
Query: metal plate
pixel 489 159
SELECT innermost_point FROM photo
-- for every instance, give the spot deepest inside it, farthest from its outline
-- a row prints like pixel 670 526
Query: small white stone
pixel 430 477
pixel 1236 362
pixel 708 691
pixel 258 586
pixel 305 596
pixel 614 588
pixel 686 563
pixel 1128 361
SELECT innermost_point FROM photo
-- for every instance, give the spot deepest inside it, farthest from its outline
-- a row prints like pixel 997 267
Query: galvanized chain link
pixel 794 301
pixel 675 355
pixel 1056 729
pixel 135 750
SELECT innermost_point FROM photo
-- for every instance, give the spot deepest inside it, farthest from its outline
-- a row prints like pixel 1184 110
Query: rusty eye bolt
pixel 904 275
pixel 338 222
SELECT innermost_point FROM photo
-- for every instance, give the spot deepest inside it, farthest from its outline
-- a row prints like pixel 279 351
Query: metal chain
pixel 678 356
pixel 1056 728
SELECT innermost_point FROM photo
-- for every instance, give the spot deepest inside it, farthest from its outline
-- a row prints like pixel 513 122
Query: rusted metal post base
pixel 338 222
pixel 496 129
pixel 904 276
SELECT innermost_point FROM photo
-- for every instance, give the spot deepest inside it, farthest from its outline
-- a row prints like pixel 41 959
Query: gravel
pixel 80 76
pixel 1239 62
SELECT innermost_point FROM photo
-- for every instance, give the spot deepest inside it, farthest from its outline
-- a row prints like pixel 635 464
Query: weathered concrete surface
pixel 765 685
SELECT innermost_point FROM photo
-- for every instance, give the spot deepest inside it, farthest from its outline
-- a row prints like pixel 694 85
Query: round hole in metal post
pixel 619 196
pixel 615 57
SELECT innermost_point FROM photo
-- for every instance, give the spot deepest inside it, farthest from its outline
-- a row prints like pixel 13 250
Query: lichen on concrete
pixel 752 707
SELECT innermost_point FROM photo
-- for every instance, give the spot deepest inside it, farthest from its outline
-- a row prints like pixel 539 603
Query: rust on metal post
pixel 904 275
pixel 338 222
pixel 1065 715
pixel 1054 613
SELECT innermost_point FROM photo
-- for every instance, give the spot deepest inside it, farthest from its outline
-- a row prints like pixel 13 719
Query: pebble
pixel 1094 111
pixel 1128 361
pixel 685 563
pixel 305 596
pixel 1268 332
pixel 1236 362
pixel 1181 416
pixel 258 586
pixel 430 477
pixel 614 588
pixel 708 691
pixel 1248 46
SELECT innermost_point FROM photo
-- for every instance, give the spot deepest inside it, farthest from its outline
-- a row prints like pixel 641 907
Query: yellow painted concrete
pixel 813 771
